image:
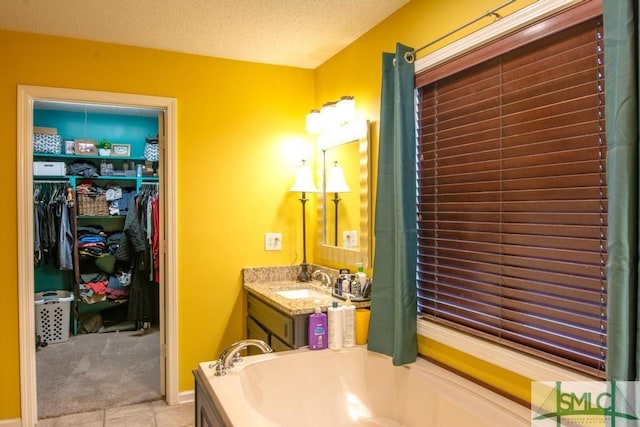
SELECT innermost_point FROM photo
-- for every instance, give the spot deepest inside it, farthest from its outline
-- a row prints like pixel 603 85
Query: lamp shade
pixel 335 181
pixel 304 180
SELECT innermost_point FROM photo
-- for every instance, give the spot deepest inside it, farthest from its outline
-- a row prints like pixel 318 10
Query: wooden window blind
pixel 512 203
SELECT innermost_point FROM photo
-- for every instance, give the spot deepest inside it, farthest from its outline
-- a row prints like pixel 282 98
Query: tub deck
pixel 351 387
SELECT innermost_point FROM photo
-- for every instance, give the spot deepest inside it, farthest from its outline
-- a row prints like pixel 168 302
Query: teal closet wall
pixel 117 129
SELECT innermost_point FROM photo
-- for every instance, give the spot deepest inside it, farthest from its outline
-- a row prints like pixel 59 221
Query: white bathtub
pixel 352 387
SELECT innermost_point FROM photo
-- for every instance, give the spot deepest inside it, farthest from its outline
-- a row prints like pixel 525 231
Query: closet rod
pixel 411 56
pixel 49 181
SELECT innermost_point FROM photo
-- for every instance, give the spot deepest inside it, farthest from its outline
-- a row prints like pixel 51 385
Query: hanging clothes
pixel 134 247
pixel 52 232
pixel 65 237
pixel 150 202
pixel 139 248
pixel 155 238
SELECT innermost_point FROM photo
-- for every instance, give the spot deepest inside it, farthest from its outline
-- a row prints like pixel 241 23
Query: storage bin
pixel 49 168
pixel 47 143
pixel 92 204
pixel 46 130
pixel 53 311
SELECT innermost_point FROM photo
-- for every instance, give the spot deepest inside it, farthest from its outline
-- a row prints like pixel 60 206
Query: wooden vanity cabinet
pixel 280 330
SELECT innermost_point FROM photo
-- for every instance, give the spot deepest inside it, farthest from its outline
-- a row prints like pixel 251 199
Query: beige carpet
pixel 98 371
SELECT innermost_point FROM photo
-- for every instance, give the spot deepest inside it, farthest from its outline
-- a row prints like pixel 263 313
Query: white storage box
pixel 53 310
pixel 49 168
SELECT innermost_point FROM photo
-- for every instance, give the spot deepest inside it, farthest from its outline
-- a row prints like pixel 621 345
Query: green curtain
pixel 392 328
pixel 621 103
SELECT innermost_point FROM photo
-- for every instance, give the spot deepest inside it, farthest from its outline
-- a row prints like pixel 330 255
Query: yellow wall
pixel 238 124
pixel 237 127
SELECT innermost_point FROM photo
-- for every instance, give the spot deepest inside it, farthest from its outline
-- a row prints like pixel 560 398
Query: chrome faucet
pixel 323 277
pixel 231 354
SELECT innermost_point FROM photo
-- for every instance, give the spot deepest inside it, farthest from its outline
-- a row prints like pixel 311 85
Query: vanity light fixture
pixel 332 115
pixel 314 122
pixel 346 108
pixel 336 184
pixel 304 184
pixel 346 132
pixel 329 114
pixel 336 123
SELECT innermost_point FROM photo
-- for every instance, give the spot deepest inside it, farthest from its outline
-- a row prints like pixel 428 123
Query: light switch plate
pixel 350 239
pixel 273 242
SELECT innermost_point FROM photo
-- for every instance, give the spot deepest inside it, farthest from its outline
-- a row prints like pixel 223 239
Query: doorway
pixel 27 96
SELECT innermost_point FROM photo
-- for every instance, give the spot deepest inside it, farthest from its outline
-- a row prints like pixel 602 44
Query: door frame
pixel 168 180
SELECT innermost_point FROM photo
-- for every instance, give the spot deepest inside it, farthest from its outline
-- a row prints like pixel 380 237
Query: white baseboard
pixel 15 422
pixel 186 396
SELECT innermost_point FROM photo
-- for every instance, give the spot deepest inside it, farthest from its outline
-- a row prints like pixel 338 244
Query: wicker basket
pixel 92 204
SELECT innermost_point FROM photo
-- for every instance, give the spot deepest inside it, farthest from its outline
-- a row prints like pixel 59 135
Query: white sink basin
pixel 302 293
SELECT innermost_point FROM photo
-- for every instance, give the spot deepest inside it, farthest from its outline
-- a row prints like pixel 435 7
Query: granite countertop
pixel 266 282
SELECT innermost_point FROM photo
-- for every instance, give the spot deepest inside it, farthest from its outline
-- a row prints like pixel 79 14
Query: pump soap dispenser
pixel 360 282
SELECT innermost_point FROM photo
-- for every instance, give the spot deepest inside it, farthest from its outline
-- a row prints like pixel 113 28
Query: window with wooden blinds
pixel 512 198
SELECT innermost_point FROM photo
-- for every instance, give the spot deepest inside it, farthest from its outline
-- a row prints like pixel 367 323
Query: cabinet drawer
pixel 279 345
pixel 274 321
pixel 255 331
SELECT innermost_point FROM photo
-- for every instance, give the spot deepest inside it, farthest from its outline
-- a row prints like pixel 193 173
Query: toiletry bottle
pixel 346 286
pixel 335 326
pixel 356 288
pixel 361 279
pixel 349 324
pixel 318 339
pixel 366 291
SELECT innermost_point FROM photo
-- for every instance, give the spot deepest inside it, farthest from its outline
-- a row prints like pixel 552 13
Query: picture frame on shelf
pixel 69 146
pixel 85 147
pixel 121 150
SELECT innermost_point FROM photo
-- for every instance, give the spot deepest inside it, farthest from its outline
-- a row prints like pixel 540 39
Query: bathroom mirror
pixel 349 242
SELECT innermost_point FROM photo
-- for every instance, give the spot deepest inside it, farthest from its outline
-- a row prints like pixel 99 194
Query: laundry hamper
pixel 53 309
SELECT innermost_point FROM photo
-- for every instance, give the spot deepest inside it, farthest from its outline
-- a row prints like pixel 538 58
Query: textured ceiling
pixel 299 33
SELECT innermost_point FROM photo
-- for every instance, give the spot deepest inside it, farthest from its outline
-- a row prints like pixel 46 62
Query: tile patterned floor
pixel 152 414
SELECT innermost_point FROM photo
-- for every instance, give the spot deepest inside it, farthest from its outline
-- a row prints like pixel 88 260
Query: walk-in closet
pixel 97 209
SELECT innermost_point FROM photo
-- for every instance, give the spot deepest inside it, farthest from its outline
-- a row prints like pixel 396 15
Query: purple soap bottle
pixel 318 338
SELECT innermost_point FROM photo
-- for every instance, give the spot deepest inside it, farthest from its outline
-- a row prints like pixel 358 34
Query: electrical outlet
pixel 350 239
pixel 273 242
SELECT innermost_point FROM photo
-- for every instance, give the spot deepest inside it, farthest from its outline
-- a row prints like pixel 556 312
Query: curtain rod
pixel 410 56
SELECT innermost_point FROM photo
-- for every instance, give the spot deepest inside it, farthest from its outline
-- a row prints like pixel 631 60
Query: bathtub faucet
pixel 323 277
pixel 231 354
